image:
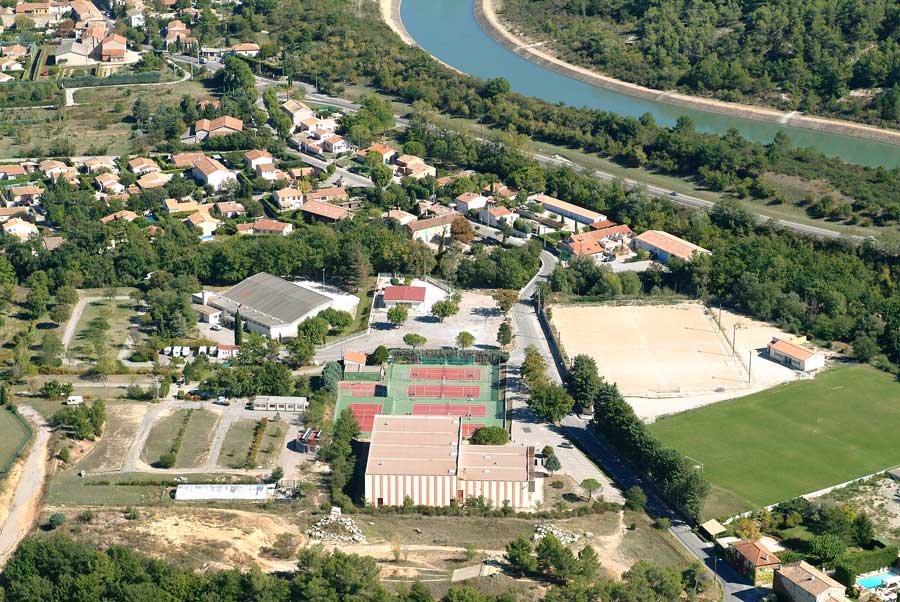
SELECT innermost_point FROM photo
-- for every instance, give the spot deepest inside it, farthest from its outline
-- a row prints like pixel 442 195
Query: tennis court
pixel 471 392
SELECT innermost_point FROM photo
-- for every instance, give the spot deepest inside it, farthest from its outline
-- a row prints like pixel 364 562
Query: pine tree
pixel 238 328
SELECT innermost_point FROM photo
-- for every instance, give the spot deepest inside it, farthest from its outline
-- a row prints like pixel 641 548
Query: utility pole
pixel 750 367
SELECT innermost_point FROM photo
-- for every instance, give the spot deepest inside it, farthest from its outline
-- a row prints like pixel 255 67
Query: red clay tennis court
pixel 365 414
pixel 419 373
pixel 470 428
pixel 449 409
pixel 360 389
pixel 445 391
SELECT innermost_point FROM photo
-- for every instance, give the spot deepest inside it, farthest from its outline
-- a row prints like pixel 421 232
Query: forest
pixel 796 55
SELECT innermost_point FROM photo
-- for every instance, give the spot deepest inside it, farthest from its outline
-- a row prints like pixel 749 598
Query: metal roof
pixel 270 300
pixel 224 492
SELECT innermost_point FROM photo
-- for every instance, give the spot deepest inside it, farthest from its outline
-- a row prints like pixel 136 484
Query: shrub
pixel 167 460
pixel 662 523
pixel 635 498
pixel 86 516
pixel 56 520
pixel 490 435
pixel 557 484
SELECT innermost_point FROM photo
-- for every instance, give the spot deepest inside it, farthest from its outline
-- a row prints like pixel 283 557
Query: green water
pixel 448 30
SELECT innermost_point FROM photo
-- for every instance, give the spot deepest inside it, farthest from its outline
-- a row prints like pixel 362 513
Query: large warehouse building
pixel 269 305
pixel 424 458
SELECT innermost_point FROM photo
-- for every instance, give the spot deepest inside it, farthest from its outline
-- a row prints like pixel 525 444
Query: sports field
pixel 652 350
pixel 794 439
pixel 471 392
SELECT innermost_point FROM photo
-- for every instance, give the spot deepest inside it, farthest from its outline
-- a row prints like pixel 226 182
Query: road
pixel 26 500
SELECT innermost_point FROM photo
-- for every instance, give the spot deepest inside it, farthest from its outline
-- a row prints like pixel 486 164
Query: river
pixel 448 30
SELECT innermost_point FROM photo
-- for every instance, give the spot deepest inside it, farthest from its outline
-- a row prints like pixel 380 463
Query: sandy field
pixel 651 351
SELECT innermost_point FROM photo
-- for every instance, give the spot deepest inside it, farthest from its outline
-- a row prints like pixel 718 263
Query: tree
pixel 863 530
pixel 464 340
pixel 591 485
pixel 551 401
pixel 520 556
pixel 51 350
pixel 444 309
pixel 490 435
pixel 505 299
pixel 864 347
pixel 584 381
pixel 398 314
pixel 60 313
pixel 56 520
pixel 461 230
pixel 53 389
pixel 552 463
pixel 635 498
pixel 554 559
pixel 36 301
pixel 588 564
pixel 504 334
pixel 331 375
pixel 827 548
pixel 238 328
pixel 166 460
pixel 747 529
pixel 414 340
pixel 277 474
pixel 378 357
pixel 313 329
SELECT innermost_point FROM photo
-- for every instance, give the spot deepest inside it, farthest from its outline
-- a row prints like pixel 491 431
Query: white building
pixel 795 356
pixel 470 201
pixel 425 459
pixel 663 246
pixel 208 171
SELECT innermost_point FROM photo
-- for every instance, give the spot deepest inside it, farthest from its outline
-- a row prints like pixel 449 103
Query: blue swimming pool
pixel 875 580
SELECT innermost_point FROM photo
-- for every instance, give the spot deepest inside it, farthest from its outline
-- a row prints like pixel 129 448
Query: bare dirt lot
pixel 672 351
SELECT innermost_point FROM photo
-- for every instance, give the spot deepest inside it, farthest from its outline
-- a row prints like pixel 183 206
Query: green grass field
pixel 162 436
pixel 792 439
pixel 13 434
pixel 117 313
pixel 197 439
pixel 237 444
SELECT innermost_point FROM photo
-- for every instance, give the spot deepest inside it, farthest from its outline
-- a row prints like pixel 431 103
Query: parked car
pixel 566 445
pixel 216 327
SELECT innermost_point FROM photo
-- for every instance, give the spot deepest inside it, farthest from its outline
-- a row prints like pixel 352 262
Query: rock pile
pixel 335 527
pixel 564 537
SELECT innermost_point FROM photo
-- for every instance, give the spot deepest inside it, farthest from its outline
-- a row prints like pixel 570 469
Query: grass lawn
pixel 237 444
pixel 270 448
pixel 162 436
pixel 104 490
pixel 13 434
pixel 197 439
pixel 792 439
pixel 117 313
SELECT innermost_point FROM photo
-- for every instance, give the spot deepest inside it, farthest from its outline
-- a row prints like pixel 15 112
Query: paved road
pixel 27 497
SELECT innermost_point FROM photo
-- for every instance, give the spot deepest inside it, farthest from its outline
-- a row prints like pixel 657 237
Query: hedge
pixel 485 356
pixel 856 563
pixel 88 81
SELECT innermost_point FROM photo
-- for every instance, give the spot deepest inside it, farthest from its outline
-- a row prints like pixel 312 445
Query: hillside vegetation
pixel 805 55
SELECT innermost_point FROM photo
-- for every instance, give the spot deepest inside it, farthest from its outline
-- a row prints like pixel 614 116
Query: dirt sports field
pixel 667 350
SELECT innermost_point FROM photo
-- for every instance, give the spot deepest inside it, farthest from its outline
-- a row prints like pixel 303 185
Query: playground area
pixel 470 391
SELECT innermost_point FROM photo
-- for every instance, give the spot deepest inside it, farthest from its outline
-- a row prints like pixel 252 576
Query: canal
pixel 448 30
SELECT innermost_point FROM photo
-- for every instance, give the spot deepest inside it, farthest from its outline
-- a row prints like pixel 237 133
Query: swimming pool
pixel 873 581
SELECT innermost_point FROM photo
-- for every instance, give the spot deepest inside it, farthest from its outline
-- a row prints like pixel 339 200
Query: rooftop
pixel 671 244
pixel 404 293
pixel 808 578
pixel 756 553
pixel 270 300
pixel 791 350
pixel 324 209
pixel 553 203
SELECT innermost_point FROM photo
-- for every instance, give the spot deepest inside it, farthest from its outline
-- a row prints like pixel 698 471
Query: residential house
pixel 297 111
pixel 386 152
pixel 186 160
pixel 72 53
pixel 328 195
pixel 410 166
pixel 15 52
pixel 176 31
pixel 32 9
pixel 470 201
pixel 154 179
pixel 184 205
pixel 143 165
pixel 335 144
pixel 664 246
pixel 308 145
pixel 802 582
pixel 402 217
pixel 265 225
pixel 269 172
pixel 429 229
pixel 51 168
pixel 414 296
pixel 128 216
pixel 755 561
pixel 600 245
pixel 136 18
pixel 246 49
pixel 256 157
pixel 494 216
pixel 109 182
pixel 25 195
pixel 203 223
pixel 288 199
pixel 112 49
pixel 95 164
pixel 208 171
pixel 19 228
pixel 11 172
pixel 795 356
pixel 500 190
pixel 221 126
pixel 230 209
pixel 51 243
pixel 7 64
pixel 4 77
pixel 324 211
pixel 6 213
pixel 298 173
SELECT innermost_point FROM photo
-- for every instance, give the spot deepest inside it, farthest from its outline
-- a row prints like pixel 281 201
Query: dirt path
pixel 486 15
pixel 69 331
pixel 27 498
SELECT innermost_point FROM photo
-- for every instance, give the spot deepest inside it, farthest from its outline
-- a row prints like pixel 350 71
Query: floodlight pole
pixel 750 367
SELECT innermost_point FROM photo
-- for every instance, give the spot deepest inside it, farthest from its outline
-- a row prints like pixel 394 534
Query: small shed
pixel 713 528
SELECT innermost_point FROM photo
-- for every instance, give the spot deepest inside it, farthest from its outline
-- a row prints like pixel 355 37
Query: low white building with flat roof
pixel 425 459
pixel 207 492
pixel 280 403
pixel 795 356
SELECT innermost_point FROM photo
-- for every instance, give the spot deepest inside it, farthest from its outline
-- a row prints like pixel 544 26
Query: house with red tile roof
pixel 220 126
pixel 324 211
